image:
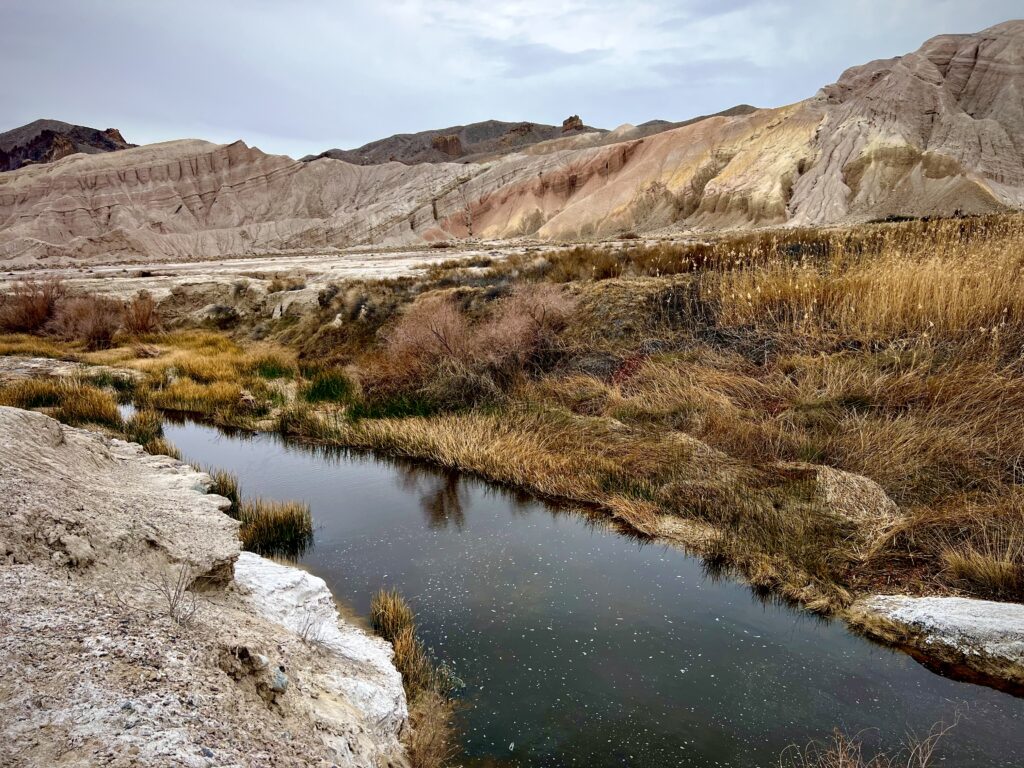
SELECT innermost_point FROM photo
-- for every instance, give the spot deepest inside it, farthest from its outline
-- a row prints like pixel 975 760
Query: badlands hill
pixel 934 132
pixel 43 141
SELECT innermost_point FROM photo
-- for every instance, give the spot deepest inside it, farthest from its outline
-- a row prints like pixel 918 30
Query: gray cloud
pixel 522 59
pixel 302 76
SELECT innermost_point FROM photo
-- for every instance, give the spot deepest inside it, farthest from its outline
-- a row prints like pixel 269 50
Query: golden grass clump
pixel 428 687
pixel 194 397
pixel 144 427
pixel 163 447
pixel 68 400
pixel 27 345
pixel 275 528
pixel 390 614
pixel 226 484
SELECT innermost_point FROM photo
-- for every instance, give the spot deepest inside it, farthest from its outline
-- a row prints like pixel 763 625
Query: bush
pixel 282 283
pixel 434 356
pixel 92 319
pixel 141 316
pixel 30 306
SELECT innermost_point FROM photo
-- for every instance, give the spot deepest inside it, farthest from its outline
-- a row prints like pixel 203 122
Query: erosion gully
pixel 582 645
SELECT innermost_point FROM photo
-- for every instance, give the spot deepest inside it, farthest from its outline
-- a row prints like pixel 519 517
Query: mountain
pixel 44 141
pixel 933 132
pixel 459 143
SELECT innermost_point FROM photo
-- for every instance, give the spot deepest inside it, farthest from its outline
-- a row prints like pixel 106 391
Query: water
pixel 583 646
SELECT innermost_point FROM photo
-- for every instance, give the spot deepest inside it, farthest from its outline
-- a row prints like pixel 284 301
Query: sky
pixel 301 76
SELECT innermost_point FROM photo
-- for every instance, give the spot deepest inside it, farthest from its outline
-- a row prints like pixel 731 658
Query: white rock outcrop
pixel 364 672
pixel 985 636
pixel 253 667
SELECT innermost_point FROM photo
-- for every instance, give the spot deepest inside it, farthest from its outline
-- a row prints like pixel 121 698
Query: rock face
pixel 984 636
pixel 572 123
pixel 935 132
pixel 44 141
pixel 97 657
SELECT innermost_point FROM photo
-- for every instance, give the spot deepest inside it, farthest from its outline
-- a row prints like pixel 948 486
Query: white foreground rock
pixel 985 636
pixel 96 671
pixel 363 673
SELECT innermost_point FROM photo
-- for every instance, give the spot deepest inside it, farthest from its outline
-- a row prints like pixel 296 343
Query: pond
pixel 581 645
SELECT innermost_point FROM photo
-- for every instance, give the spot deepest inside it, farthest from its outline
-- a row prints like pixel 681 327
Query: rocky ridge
pixel 464 143
pixel 44 141
pixel 251 667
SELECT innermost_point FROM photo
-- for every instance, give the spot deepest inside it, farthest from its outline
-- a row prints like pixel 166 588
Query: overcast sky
pixel 301 76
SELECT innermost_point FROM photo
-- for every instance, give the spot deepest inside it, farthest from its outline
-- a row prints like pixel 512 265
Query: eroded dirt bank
pixel 107 661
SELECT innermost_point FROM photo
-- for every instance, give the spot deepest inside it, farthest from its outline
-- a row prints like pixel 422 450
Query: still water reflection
pixel 583 646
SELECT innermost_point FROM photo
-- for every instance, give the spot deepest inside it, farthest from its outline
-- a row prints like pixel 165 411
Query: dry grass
pixel 226 484
pixel 161 446
pixel 192 397
pixel 144 427
pixel 275 528
pixel 390 614
pixel 67 400
pixel 34 346
pixel 843 751
pixel 428 687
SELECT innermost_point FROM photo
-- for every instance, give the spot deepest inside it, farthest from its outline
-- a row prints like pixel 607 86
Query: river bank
pixel 134 630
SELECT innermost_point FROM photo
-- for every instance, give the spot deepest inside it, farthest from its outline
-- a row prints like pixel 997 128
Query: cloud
pixel 524 59
pixel 303 76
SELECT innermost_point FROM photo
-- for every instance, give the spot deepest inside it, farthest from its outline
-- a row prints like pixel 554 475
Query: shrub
pixel 30 305
pixel 283 283
pixel 434 356
pixel 141 316
pixel 92 319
